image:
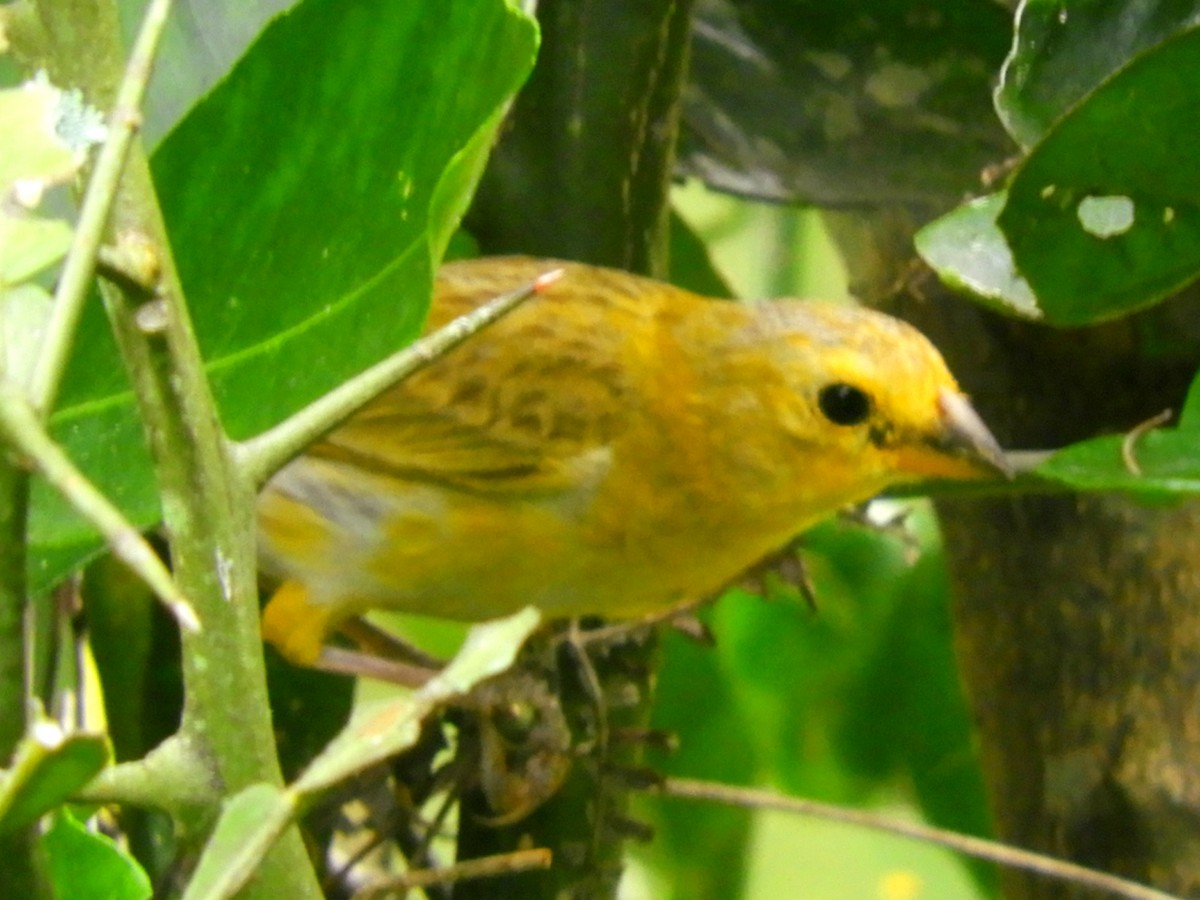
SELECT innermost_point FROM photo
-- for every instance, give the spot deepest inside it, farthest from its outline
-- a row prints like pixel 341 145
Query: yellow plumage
pixel 616 446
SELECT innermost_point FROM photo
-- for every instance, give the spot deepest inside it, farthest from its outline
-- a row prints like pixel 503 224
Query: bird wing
pixel 518 408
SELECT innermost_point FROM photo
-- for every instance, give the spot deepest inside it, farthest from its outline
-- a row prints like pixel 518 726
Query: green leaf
pixel 702 846
pixel 47 768
pixel 85 865
pixel 1065 48
pixel 199 46
pixel 1103 218
pixel 857 102
pixel 906 713
pixel 308 198
pixel 970 254
pixel 308 708
pixel 1167 460
pixel 250 823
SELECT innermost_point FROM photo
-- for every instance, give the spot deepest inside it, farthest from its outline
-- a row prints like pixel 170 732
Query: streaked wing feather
pixel 514 408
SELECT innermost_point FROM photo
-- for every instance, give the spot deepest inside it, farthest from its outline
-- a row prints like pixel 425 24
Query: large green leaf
pixel 1103 217
pixel 201 42
pixel 308 197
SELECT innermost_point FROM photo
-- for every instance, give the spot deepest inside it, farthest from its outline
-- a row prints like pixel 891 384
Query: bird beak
pixel 960 447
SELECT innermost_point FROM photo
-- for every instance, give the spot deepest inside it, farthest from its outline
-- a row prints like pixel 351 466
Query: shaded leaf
pixel 702 846
pixel 906 714
pixel 843 104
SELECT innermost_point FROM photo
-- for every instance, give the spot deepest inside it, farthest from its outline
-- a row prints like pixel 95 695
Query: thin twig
pixel 482 867
pixel 1136 433
pixel 21 427
pixel 260 457
pixel 72 292
pixel 980 848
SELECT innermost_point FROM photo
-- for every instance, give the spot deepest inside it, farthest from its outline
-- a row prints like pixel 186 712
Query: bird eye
pixel 844 404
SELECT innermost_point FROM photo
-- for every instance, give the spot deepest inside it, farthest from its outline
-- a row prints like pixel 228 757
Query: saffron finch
pixel 616 446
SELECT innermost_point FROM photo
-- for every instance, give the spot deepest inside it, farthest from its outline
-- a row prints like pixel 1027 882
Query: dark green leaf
pixel 691 266
pixel 308 198
pixel 1103 217
pixel 85 865
pixel 846 103
pixel 970 254
pixel 1065 48
pixel 307 709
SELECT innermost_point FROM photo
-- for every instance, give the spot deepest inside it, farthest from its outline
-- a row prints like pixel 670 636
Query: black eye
pixel 844 404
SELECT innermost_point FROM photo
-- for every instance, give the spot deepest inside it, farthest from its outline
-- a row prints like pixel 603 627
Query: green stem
pixel 172 777
pixel 76 278
pixel 20 427
pixel 207 508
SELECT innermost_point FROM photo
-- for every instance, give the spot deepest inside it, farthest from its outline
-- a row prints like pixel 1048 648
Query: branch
pixel 21 428
pixel 171 778
pixel 979 848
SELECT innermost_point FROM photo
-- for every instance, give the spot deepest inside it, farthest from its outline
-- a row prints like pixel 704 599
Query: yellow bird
pixel 616 446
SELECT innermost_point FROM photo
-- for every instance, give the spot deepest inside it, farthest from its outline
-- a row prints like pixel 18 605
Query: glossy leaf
pixel 1066 48
pixel 970 254
pixel 1118 154
pixel 202 41
pixel 308 198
